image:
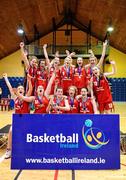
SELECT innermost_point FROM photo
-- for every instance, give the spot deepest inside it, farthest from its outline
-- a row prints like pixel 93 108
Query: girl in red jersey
pixel 67 73
pixel 40 101
pixel 58 103
pixel 87 105
pixel 53 66
pixel 102 90
pixel 93 61
pixel 21 107
pixel 30 66
pixel 80 75
pixel 41 74
pixel 73 103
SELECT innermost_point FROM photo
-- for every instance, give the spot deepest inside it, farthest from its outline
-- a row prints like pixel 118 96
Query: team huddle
pixel 63 89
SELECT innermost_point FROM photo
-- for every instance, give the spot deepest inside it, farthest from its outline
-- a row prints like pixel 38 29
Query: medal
pixel 71 101
pixel 79 71
pixel 68 72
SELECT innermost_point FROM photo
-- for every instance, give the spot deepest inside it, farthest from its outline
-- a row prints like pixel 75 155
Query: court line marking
pixel 73 174
pixel 56 174
pixel 18 174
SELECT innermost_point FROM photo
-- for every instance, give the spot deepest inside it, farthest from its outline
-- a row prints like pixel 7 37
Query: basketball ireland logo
pixel 93 137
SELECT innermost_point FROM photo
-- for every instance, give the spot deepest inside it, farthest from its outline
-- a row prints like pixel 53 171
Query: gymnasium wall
pixel 12 65
pixel 120 59
pixel 78 38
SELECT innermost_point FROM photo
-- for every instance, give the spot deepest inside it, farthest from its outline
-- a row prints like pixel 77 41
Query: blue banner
pixel 50 141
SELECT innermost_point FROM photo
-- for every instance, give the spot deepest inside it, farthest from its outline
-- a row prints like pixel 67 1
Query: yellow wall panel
pixel 12 65
pixel 120 59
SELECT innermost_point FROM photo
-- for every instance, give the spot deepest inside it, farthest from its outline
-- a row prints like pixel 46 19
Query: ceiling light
pixel 110 29
pixel 20 30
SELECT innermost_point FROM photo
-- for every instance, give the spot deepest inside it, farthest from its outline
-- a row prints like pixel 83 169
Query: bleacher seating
pixel 118 87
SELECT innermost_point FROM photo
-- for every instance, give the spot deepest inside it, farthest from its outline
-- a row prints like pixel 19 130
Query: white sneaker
pixel 8 154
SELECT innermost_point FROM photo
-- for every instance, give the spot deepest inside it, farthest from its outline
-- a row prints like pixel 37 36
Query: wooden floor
pixel 7 174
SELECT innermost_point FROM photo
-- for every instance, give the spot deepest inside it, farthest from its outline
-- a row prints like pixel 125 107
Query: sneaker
pixel 8 154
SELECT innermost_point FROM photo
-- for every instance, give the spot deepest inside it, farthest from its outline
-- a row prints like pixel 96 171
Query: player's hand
pixel 112 62
pixel 4 75
pixel 25 52
pixel 72 54
pixel 105 43
pixel 90 51
pixel 41 105
pixel 67 52
pixel 51 101
pixel 44 46
pixel 21 44
pixel 57 54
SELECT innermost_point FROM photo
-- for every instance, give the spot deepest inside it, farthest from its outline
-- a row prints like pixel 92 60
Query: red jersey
pixel 57 102
pixel 86 107
pixel 42 77
pixel 73 103
pixel 21 107
pixel 57 78
pixel 32 72
pixel 102 90
pixel 66 78
pixel 40 105
pixel 80 77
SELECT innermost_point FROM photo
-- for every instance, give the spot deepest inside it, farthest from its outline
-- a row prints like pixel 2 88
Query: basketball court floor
pixel 7 174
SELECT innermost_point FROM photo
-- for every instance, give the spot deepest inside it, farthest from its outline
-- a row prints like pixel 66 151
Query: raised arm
pixel 113 69
pixel 26 98
pixel 30 87
pixel 57 54
pixel 46 55
pixel 56 85
pixel 91 52
pixel 49 86
pixel 67 52
pixel 93 100
pixel 49 107
pixel 100 63
pixel 8 84
pixel 70 55
pixel 24 55
pixel 91 55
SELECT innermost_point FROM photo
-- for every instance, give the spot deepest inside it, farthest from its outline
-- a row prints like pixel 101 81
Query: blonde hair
pixel 33 57
pixel 75 88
